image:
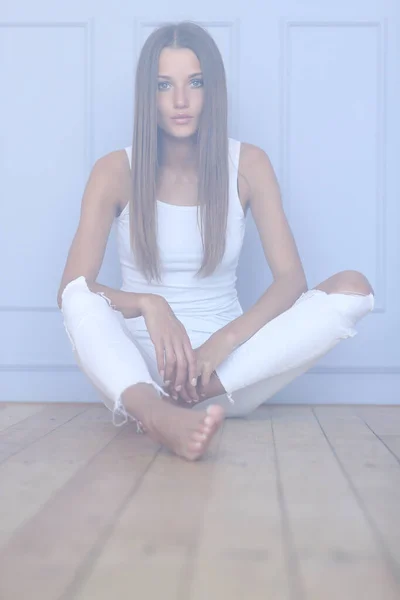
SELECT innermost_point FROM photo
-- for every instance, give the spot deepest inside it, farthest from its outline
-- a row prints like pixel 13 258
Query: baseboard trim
pixel 318 370
pixel 327 387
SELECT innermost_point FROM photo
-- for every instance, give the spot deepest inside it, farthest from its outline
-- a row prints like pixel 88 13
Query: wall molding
pixel 381 27
pixel 88 27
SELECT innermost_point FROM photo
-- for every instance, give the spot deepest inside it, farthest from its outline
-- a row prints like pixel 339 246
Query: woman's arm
pixel 279 247
pixel 107 188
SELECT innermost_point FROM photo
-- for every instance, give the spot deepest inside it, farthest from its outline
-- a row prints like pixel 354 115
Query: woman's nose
pixel 180 98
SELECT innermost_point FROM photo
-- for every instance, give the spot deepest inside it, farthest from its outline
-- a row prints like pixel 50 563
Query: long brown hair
pixel 212 148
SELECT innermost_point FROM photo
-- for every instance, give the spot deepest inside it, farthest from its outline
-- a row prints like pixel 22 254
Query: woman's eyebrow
pixel 189 76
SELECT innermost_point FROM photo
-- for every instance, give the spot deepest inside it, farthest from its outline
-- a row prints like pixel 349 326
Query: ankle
pixel 142 401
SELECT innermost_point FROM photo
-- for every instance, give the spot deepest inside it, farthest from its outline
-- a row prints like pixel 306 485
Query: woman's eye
pixel 162 84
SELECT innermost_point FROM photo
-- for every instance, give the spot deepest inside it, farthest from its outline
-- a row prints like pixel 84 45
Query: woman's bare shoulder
pixel 115 162
pixel 249 153
pixel 114 171
pixel 253 159
pixel 246 157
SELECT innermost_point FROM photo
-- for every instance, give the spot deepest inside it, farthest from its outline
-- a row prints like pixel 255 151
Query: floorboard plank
pixel 373 474
pixel 393 443
pixel 35 426
pixel 383 420
pixel 12 412
pixel 32 476
pixel 337 552
pixel 149 551
pixel 241 551
pixel 52 549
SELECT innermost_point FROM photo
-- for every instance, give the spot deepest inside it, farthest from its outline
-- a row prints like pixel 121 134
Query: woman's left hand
pixel 208 356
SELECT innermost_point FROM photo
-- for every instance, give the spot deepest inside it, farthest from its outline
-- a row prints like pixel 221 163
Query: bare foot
pixel 186 433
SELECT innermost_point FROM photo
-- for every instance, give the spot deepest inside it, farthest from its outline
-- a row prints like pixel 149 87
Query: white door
pixel 316 85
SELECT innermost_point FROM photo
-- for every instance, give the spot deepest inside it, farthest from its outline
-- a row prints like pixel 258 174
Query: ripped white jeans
pixel 286 347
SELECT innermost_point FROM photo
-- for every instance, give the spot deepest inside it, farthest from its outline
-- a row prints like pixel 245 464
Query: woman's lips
pixel 182 120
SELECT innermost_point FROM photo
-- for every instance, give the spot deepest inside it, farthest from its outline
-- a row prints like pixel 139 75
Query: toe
pixel 196 446
pixel 194 450
pixel 208 422
pixel 214 417
pixel 199 441
pixel 215 412
pixel 198 436
pixel 203 432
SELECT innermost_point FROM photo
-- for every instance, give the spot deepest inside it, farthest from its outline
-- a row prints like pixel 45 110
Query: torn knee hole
pixel 351 293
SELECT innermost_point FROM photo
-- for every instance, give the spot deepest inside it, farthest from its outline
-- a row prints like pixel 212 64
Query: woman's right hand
pixel 176 358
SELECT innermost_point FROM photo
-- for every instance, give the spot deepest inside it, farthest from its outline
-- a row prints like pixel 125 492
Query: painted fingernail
pixel 194 381
pixel 178 388
pixel 167 382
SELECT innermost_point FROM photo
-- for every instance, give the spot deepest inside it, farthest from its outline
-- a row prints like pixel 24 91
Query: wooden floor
pixel 294 503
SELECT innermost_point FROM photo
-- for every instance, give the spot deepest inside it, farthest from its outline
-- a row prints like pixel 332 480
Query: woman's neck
pixel 179 156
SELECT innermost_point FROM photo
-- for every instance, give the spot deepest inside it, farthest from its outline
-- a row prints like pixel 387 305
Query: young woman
pixel 175 335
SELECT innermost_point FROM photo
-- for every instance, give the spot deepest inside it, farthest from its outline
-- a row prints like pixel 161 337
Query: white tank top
pixel 202 304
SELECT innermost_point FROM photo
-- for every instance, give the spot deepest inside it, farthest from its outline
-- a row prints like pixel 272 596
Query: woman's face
pixel 180 91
